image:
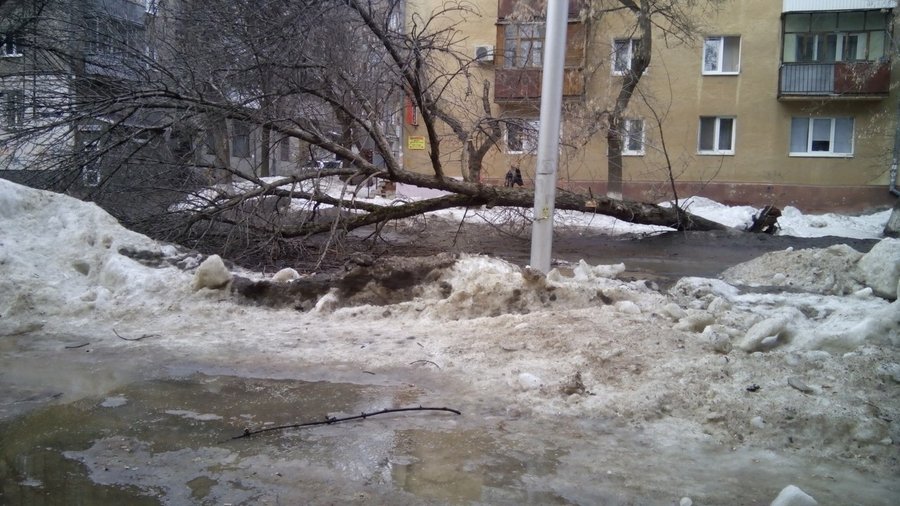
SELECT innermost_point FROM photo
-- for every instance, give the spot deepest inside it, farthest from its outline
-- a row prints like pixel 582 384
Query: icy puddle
pixel 170 442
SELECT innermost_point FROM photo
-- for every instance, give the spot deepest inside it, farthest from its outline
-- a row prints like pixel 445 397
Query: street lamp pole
pixel 548 136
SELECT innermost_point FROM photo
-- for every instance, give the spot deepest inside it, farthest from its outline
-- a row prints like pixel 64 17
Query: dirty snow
pixel 791 356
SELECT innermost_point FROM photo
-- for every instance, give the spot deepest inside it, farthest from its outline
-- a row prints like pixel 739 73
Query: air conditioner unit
pixel 484 53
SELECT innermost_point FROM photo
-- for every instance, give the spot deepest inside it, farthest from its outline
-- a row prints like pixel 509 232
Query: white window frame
pixel 90 170
pixel 614 59
pixel 241 130
pixel 14 108
pixel 8 46
pixel 720 40
pixel 626 136
pixel 809 153
pixel 716 136
pixel 528 142
pixel 284 149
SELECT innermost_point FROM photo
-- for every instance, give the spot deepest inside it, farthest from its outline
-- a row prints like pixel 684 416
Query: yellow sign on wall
pixel 416 142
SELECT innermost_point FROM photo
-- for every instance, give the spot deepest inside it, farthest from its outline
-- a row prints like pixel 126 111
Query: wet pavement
pixel 664 258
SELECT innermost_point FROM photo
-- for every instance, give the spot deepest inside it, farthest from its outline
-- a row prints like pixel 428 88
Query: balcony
pixel 523 85
pixel 861 80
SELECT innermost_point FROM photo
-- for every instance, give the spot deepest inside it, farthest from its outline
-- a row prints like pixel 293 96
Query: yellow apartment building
pixel 787 102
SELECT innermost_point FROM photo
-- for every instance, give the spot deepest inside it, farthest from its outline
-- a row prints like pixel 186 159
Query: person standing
pixel 517 178
pixel 510 178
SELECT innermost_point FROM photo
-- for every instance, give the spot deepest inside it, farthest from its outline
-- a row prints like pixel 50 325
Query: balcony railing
pixel 836 79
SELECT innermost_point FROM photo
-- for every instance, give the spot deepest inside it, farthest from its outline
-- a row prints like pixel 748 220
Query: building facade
pixel 59 64
pixel 784 103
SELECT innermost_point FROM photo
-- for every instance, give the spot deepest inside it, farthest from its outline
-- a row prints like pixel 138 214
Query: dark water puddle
pixel 43 455
pixel 170 442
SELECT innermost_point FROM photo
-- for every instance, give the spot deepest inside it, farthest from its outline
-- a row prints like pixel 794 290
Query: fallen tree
pixel 171 118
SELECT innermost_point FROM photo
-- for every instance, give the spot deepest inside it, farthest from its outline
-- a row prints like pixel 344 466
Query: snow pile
pixel 837 270
pixel 880 269
pixel 212 274
pixel 478 286
pixel 739 217
pixel 826 271
pixel 794 222
pixel 61 256
pixel 814 317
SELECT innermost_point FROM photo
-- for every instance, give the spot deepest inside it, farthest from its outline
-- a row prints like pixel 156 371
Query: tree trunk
pixel 265 152
pixel 614 162
pixel 640 60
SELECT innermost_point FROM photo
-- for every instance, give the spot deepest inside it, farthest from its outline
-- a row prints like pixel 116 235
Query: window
pixel 240 140
pixel 13 108
pixel 827 37
pixel 521 136
pixel 523 45
pixel 150 53
pixel 10 47
pixel 90 169
pixel 151 6
pixel 110 35
pixel 210 143
pixel 716 136
pixel 822 136
pixel 90 174
pixel 633 137
pixel 722 55
pixel 623 53
pixel 285 149
pixel 99 37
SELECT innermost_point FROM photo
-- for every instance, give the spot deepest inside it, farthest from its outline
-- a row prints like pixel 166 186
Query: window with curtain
pixel 821 136
pixel 722 55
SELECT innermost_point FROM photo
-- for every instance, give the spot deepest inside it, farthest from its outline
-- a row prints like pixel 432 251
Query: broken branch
pixel 145 336
pixel 332 420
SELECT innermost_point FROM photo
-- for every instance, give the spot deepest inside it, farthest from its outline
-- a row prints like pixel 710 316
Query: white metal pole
pixel 548 137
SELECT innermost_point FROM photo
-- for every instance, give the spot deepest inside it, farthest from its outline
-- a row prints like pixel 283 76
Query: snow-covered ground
pixel 786 370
